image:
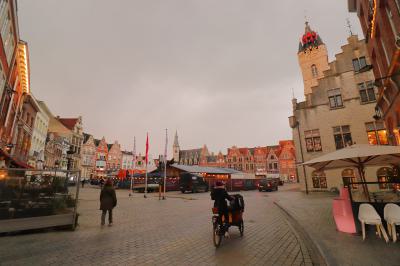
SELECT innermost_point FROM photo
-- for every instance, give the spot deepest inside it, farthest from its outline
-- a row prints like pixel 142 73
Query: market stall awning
pixel 14 163
pixel 203 169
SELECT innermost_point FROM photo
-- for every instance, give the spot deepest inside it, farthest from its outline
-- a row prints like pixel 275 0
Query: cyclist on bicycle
pixel 219 195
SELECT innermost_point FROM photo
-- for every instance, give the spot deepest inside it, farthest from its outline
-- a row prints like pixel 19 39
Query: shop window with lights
pixel 313 140
pixel 319 179
pixel 348 177
pixel 367 92
pixel 335 98
pixel 359 64
pixel 385 174
pixel 396 133
pixel 342 136
pixel 377 134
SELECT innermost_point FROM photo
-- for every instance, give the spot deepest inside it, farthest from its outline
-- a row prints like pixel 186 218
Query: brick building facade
pixel 88 156
pixel 101 157
pixel 380 22
pixel 114 157
pixel 75 140
pixel 10 93
pixel 269 161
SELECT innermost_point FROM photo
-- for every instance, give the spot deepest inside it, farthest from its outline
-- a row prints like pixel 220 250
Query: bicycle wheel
pixel 241 228
pixel 217 238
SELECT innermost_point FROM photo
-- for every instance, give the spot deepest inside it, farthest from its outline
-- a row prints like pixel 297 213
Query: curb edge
pixel 315 246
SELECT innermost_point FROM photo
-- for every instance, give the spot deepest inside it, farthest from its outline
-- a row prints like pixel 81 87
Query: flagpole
pixel 145 185
pixel 133 167
pixel 165 162
pixel 147 154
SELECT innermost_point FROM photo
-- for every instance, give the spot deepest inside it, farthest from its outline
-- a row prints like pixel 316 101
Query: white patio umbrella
pixel 359 156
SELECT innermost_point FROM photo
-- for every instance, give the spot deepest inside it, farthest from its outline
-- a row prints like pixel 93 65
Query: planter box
pixel 12 225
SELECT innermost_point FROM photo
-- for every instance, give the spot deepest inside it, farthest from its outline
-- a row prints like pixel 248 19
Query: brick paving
pixel 314 214
pixel 176 231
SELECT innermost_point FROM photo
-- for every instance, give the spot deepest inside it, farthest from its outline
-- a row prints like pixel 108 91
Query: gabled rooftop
pixel 68 122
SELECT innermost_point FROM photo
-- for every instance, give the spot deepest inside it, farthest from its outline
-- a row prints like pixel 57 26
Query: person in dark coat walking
pixel 219 195
pixel 108 200
pixel 101 182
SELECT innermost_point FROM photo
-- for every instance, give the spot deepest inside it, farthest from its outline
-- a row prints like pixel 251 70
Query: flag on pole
pixel 166 145
pixel 134 153
pixel 165 162
pixel 147 160
pixel 147 148
pixel 133 164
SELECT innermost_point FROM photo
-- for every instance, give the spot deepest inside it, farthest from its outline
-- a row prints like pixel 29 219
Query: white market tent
pixel 195 169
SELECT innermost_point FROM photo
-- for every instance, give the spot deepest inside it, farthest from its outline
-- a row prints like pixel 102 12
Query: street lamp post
pixel 295 124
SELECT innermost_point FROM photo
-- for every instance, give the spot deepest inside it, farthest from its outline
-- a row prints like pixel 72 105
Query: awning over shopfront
pixel 11 162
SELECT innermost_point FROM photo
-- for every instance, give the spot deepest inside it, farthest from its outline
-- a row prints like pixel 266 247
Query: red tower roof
pixel 309 40
pixel 68 122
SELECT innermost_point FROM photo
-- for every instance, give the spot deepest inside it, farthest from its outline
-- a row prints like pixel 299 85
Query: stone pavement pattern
pixel 314 213
pixel 176 231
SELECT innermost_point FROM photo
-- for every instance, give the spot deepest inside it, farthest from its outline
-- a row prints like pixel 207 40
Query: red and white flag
pixel 166 145
pixel 147 148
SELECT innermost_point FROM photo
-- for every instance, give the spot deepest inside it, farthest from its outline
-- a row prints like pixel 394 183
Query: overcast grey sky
pixel 219 71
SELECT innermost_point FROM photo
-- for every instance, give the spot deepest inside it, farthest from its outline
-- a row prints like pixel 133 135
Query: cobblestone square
pixel 176 231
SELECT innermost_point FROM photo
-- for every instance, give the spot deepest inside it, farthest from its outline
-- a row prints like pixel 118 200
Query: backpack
pixel 237 203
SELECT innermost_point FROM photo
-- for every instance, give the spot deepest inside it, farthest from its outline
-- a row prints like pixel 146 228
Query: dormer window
pixel 314 71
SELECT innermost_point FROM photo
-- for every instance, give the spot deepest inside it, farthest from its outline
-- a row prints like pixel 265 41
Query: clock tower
pixel 313 58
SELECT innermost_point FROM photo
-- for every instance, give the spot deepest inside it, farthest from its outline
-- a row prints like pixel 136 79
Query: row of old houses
pixel 30 136
pixel 270 161
pixel 353 99
pixel 100 159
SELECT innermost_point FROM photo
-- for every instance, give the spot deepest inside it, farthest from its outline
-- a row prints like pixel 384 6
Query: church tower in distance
pixel 176 148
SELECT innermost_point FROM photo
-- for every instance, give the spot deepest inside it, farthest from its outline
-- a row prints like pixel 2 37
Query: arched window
pixel 384 174
pixel 348 177
pixel 319 179
pixel 314 71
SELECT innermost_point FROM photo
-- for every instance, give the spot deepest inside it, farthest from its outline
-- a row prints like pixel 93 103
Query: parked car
pixel 268 185
pixel 279 181
pixel 193 183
